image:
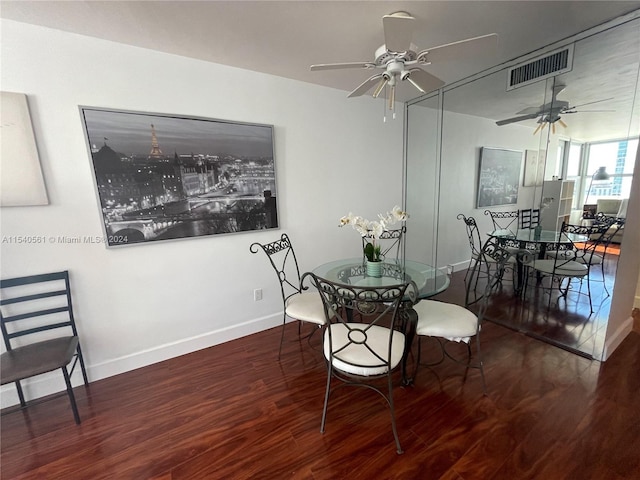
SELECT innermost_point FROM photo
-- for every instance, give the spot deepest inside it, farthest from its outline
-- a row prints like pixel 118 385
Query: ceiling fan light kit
pixel 399 60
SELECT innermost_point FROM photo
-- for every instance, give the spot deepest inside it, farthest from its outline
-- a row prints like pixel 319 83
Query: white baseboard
pixel 616 339
pixel 53 382
pixel 461 265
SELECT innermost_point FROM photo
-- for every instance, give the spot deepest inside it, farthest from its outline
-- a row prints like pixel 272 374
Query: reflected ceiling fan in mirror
pixel 550 113
pixel 398 58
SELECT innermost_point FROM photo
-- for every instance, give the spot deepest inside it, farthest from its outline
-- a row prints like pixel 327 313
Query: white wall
pixel 622 301
pixel 141 304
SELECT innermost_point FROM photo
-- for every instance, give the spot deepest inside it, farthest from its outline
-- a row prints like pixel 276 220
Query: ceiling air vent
pixel 550 65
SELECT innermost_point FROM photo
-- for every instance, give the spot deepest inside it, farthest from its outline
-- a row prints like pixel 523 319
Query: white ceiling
pixel 285 37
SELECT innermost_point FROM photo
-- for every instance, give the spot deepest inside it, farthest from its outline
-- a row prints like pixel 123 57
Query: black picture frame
pixel 499 177
pixel 166 177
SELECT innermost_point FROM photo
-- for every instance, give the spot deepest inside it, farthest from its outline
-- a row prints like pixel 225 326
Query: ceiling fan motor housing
pixel 384 56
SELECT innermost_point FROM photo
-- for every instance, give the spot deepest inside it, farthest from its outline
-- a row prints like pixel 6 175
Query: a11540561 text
pixel 62 239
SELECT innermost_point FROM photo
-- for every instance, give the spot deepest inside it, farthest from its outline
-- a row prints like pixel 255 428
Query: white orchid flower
pixel 399 214
pixel 376 229
pixel 362 231
pixel 386 220
pixel 360 223
pixel 346 220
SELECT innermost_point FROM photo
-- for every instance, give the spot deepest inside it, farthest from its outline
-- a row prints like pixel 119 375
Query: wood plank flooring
pixel 234 412
pixel 565 322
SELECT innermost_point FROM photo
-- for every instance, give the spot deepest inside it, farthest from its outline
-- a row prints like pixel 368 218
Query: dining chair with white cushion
pixel 298 304
pixel 448 322
pixel 365 339
pixel 563 265
pixel 591 252
pixel 475 244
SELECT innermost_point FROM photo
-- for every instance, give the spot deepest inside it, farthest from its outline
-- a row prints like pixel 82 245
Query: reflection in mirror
pixel 566 127
pixel 471 141
pixel 422 173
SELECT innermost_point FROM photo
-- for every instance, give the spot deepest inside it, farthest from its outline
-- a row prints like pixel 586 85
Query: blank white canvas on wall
pixel 21 180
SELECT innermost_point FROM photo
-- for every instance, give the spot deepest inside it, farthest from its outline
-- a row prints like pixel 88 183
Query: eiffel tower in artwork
pixel 155 147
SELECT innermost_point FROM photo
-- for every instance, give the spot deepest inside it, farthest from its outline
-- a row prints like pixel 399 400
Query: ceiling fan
pixel 398 58
pixel 549 113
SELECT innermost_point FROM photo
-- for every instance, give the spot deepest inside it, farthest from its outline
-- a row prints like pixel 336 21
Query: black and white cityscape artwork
pixel 163 177
pixel 499 177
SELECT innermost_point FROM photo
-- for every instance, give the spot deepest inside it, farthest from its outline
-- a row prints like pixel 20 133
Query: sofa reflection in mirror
pixel 607 209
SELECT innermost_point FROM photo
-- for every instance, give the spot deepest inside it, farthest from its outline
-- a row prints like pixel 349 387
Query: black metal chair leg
pixel 284 324
pixel 326 398
pixel 480 364
pixel 72 398
pixel 23 403
pixel 82 367
pixel 588 292
pixel 393 416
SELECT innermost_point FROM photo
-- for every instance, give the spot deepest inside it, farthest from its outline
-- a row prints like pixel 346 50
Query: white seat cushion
pixel 306 306
pixel 446 320
pixel 590 259
pixel 491 260
pixel 561 254
pixel 581 256
pixel 568 269
pixel 356 358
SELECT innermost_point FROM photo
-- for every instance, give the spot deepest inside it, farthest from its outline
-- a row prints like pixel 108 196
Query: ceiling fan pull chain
pixel 384 106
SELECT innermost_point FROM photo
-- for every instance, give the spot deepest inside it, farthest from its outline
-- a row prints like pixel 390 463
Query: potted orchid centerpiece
pixel 372 230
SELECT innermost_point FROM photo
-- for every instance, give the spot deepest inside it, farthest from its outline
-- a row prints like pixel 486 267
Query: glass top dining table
pixel 352 271
pixel 528 240
pixel 528 235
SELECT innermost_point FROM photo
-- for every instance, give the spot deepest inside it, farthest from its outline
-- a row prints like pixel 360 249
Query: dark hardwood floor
pixel 234 412
pixel 565 322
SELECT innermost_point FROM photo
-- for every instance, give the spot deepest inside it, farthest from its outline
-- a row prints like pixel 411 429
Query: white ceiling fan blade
pixel 423 81
pixel 398 29
pixel 588 103
pixel 590 111
pixel 586 111
pixel 530 111
pixel 564 125
pixel 517 119
pixel 469 48
pixel 365 86
pixel 335 66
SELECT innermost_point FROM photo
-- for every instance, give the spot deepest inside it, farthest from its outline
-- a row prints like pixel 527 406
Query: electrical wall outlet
pixel 257 294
